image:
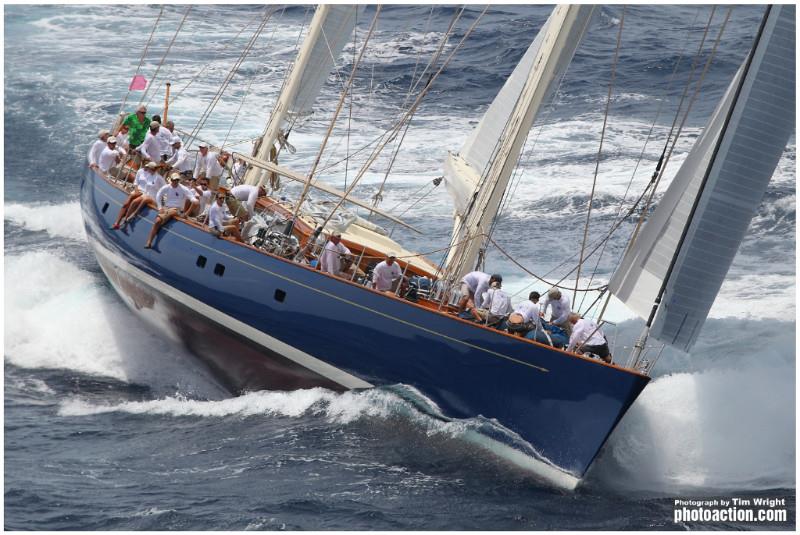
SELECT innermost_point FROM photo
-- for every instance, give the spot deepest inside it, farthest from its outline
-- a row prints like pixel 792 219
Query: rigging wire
pixel 600 150
pixel 663 99
pixel 141 60
pixel 166 52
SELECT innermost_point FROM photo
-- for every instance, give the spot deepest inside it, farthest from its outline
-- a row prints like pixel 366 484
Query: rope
pixel 207 113
pixel 644 147
pixel 408 114
pixel 600 150
pixel 307 185
pixel 141 60
pixel 164 56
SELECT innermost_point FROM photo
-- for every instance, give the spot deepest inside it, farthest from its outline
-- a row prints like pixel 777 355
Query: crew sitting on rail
pixel 559 309
pixel 387 274
pixel 111 156
pixel 525 317
pixel 248 196
pixel 473 286
pixel 587 337
pixel 201 198
pixel 179 161
pixel 149 181
pixel 211 165
pixel 218 224
pixel 178 196
pixel 495 305
pixel 333 255
pixel 97 147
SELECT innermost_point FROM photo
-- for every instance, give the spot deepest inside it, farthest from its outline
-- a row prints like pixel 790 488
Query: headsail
pixel 331 27
pixel 684 252
pixel 477 177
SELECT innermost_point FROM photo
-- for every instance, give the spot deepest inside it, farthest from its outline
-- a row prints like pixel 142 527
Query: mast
pixel 478 176
pixel 328 32
pixel 672 273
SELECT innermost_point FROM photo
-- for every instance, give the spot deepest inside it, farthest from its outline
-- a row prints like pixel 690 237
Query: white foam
pixel 59 316
pixel 59 220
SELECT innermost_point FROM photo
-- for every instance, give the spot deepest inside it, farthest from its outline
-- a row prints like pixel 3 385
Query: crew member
pixel 177 195
pixel 210 164
pixel 153 182
pixel 111 155
pixel 387 274
pixel 151 146
pixel 473 286
pixel 217 222
pixel 525 316
pixel 587 337
pixel 248 195
pixel 495 305
pixel 138 124
pixel 559 309
pixel 180 161
pixel 332 255
pixel 97 147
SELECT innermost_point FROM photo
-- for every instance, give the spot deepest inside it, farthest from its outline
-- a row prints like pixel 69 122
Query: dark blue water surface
pixel 108 426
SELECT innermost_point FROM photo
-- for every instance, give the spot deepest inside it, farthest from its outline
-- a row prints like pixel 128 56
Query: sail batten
pixel 684 252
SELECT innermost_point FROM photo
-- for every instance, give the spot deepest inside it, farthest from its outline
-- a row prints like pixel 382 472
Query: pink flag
pixel 138 83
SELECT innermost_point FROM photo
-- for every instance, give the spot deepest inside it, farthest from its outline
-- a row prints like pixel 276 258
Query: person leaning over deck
pixel 97 147
pixel 559 309
pixel 587 337
pixel 177 195
pixel 473 286
pixel 387 274
pixel 110 156
pixel 525 317
pixel 495 305
pixel 152 183
pixel 248 195
pixel 180 161
pixel 151 146
pixel 218 225
pixel 330 260
pixel 138 124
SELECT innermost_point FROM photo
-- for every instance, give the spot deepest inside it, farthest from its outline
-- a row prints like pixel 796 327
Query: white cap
pixel 175 139
pixel 103 132
pixel 175 176
pixel 391 254
pixel 151 165
pixel 111 139
pixel 202 146
pixel 154 123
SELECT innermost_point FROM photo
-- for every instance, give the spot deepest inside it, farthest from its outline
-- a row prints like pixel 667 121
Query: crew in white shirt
pixel 217 222
pixel 587 337
pixel 248 195
pixel 201 197
pixel 210 164
pixel 165 136
pixel 495 305
pixel 386 275
pixel 525 317
pixel 332 255
pixel 473 286
pixel 139 183
pixel 177 196
pixel 559 309
pixel 150 182
pixel 180 161
pixel 97 147
pixel 151 146
pixel 123 140
pixel 110 156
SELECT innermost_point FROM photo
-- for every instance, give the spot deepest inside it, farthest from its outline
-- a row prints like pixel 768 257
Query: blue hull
pixel 262 322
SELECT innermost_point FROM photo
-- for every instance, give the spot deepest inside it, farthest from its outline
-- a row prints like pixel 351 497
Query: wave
pixel 59 220
pixel 67 318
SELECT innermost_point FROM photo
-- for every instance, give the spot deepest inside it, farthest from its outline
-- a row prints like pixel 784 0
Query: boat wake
pixel 59 220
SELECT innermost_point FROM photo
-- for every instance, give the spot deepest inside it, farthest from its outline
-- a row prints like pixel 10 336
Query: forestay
pixel 477 177
pixel 687 246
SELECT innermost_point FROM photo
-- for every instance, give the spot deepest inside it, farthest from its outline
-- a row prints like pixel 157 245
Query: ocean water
pixel 109 426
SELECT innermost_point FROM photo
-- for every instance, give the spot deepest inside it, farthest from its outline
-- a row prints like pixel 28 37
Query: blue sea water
pixel 109 426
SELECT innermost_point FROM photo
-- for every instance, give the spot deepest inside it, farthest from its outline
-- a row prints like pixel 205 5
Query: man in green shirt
pixel 138 124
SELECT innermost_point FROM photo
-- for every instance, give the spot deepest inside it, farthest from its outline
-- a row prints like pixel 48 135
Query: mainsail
pixel 331 27
pixel 478 176
pixel 676 266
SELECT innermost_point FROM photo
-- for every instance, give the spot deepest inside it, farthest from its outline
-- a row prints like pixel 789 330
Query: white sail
pixel 688 245
pixel 477 177
pixel 330 29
